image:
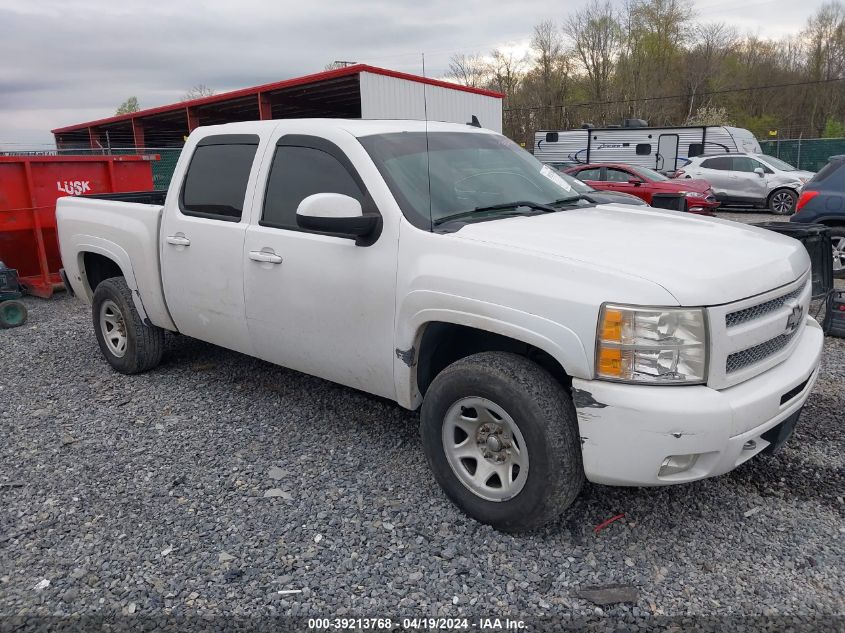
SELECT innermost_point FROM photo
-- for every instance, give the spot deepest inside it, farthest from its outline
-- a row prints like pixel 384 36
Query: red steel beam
pixel 193 119
pixel 265 108
pixel 94 138
pixel 138 132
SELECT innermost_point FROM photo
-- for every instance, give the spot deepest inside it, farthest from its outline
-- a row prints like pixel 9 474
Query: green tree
pixel 128 106
pixel 834 129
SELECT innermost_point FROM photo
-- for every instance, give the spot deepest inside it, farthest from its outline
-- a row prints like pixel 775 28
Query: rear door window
pixel 589 174
pixel 720 163
pixel 618 175
pixel 216 180
pixel 743 163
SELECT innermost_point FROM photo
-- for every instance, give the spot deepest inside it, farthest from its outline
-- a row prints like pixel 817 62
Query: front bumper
pixel 627 431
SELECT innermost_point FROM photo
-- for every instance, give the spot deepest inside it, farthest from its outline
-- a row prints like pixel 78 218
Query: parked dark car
pixel 645 183
pixel 822 201
pixel 600 197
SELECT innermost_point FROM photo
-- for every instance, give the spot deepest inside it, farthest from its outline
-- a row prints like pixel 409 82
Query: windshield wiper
pixel 497 207
pixel 569 199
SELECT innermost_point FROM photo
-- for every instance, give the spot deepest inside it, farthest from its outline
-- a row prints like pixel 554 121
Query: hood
pixel 701 261
pixel 615 197
pixel 685 184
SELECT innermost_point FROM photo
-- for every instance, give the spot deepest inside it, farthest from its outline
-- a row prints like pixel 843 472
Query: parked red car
pixel 645 183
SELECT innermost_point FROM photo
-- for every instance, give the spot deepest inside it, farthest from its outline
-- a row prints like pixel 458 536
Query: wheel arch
pixel 779 189
pixel 442 343
pixel 447 336
pixel 96 263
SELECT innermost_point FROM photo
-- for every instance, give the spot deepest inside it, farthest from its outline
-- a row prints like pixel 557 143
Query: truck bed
pixel 154 196
pixel 123 227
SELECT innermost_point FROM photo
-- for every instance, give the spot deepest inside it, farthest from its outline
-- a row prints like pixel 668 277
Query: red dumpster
pixel 29 187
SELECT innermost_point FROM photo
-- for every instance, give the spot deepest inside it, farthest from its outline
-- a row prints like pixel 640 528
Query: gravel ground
pixel 149 495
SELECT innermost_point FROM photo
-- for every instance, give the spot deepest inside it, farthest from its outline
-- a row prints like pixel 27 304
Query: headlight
pixel 661 346
pixel 691 194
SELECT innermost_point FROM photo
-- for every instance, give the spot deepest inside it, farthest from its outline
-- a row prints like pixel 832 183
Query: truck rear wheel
pixel 128 345
pixel 501 435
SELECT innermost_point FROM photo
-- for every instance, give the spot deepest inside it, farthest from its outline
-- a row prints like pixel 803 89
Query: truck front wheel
pixel 128 345
pixel 501 435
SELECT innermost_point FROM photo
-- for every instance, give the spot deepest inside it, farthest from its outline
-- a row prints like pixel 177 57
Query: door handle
pixel 178 240
pixel 267 257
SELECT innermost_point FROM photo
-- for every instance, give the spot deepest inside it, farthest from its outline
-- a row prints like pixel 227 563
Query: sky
pixel 70 61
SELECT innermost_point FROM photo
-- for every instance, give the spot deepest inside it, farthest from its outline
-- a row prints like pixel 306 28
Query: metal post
pixel 799 151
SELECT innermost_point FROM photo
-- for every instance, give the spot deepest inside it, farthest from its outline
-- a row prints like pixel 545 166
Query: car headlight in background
pixel 660 346
pixel 692 194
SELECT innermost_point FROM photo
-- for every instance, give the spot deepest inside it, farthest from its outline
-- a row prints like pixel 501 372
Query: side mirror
pixel 335 213
pixel 635 181
pixel 759 171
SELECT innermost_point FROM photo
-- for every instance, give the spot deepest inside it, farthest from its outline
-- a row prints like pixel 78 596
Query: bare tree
pixel 595 36
pixel 469 70
pixel 506 71
pixel 711 46
pixel 197 92
pixel 550 75
pixel 824 39
pixel 335 65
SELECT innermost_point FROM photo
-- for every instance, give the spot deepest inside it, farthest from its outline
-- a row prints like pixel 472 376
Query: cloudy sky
pixel 70 61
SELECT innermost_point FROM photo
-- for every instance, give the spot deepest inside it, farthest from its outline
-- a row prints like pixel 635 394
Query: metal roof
pixel 332 93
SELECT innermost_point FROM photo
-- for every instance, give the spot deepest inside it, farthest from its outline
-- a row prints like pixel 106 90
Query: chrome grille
pixel 752 335
pixel 755 312
pixel 742 359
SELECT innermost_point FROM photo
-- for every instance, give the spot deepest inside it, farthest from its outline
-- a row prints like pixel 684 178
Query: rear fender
pixel 91 244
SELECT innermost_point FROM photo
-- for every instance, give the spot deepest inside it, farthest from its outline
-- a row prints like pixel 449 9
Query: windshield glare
pixel 468 170
pixel 777 163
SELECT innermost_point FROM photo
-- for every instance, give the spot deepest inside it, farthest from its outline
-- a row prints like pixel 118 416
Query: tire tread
pixel 148 347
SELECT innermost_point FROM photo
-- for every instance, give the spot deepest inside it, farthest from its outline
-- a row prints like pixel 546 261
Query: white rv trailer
pixel 661 148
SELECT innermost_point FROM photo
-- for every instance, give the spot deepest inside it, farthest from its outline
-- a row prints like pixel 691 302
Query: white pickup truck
pixel 545 338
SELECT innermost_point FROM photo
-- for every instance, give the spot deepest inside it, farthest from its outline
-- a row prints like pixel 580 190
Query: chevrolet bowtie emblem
pixel 794 320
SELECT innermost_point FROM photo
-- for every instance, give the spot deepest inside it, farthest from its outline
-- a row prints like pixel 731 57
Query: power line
pixel 681 96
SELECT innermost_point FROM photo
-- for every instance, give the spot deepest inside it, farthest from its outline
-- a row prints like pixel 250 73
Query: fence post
pixel 799 151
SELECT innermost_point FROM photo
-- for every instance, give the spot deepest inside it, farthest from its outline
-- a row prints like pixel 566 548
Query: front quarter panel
pixel 546 301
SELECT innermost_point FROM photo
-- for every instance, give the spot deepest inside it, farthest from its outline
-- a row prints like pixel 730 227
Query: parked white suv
pixel 749 179
pixel 543 338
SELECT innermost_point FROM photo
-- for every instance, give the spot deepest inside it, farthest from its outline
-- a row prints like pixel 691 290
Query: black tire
pixel 144 344
pixel 12 314
pixel 546 418
pixel 837 234
pixel 777 199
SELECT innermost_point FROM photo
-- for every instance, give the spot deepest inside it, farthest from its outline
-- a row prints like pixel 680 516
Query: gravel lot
pixel 148 495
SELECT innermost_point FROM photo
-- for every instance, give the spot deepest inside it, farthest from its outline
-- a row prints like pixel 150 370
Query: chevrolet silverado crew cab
pixel 545 339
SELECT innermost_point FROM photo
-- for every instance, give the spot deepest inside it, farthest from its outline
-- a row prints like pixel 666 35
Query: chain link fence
pixel 809 153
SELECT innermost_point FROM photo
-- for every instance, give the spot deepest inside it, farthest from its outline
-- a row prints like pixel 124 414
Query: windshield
pixel 577 185
pixel 468 170
pixel 650 174
pixel 777 163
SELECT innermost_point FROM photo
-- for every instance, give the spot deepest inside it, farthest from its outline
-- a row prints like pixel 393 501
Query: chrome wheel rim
pixel 838 243
pixel 782 202
pixel 113 328
pixel 485 449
